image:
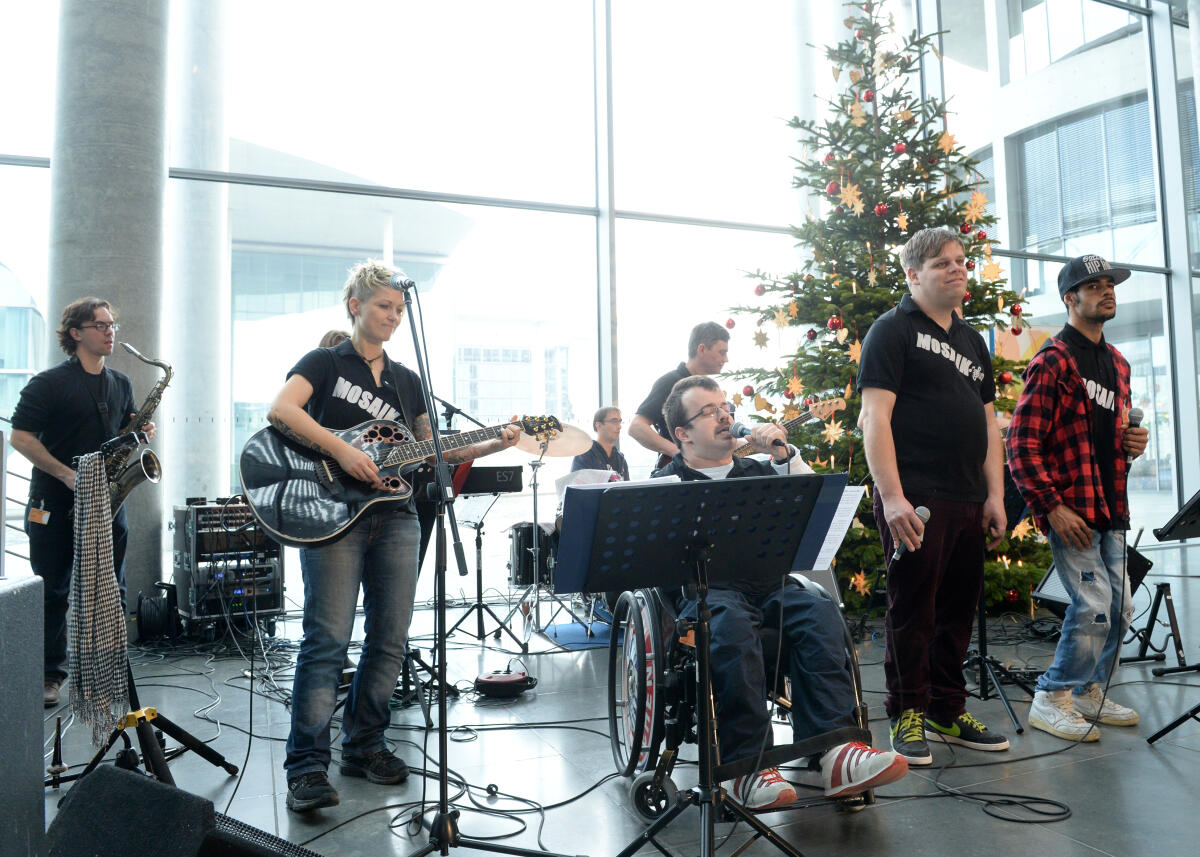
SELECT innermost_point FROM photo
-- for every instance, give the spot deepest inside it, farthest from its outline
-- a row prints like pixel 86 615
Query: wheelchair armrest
pixel 808 582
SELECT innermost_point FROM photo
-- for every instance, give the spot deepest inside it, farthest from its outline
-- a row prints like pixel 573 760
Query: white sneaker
pixel 764 790
pixel 849 769
pixel 1053 711
pixel 1089 707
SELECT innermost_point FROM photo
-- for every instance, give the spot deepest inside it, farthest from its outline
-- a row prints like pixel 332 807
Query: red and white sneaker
pixel 849 769
pixel 764 790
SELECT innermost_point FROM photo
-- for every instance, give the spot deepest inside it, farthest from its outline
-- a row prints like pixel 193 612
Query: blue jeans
pixel 1099 588
pixel 814 654
pixel 380 554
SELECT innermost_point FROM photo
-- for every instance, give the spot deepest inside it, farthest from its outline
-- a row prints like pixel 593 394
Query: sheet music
pixel 842 518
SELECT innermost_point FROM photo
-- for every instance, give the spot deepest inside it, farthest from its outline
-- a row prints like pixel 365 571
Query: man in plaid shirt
pixel 1069 448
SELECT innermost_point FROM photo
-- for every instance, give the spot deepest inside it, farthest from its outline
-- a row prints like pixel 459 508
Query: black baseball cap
pixel 1081 269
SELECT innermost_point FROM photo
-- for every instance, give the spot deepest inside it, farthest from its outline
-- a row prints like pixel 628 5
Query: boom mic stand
pixel 443 830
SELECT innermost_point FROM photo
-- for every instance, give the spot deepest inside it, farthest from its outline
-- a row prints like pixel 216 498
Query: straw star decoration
pixel 795 386
pixel 760 338
pixel 860 584
pixel 975 208
pixel 947 142
pixel 833 430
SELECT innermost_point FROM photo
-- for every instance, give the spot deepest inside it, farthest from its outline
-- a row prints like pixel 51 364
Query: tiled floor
pixel 1126 797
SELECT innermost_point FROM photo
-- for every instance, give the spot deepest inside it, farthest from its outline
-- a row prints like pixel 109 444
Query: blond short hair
pixel 363 280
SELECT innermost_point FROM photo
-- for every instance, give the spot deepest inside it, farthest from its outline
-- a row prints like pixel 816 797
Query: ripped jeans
pixel 1097 581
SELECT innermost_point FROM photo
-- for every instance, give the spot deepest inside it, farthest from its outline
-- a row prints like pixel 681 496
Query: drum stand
pixel 479 608
pixel 536 588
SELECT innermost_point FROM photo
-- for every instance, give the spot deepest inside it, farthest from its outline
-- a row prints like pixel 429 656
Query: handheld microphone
pixel 923 514
pixel 401 280
pixel 741 430
pixel 1135 419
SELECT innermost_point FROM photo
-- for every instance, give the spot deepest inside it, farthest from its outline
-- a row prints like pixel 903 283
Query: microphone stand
pixel 443 830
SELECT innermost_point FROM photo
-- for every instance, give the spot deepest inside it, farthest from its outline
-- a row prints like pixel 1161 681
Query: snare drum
pixel 520 561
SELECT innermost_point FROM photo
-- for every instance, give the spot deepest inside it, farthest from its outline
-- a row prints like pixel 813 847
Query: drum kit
pixel 534 545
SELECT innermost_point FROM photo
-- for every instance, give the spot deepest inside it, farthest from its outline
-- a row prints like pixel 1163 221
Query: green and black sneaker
pixel 967 731
pixel 908 737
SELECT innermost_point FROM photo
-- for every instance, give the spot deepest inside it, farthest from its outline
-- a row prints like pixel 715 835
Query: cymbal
pixel 569 441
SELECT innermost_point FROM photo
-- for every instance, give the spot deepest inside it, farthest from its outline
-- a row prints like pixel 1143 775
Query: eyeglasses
pixel 709 410
pixel 102 326
pixel 616 420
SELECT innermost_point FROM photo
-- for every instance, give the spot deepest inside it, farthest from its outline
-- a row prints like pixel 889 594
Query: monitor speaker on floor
pixel 114 813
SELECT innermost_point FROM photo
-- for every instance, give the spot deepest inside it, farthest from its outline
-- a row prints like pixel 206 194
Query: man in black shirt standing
pixel 931 439
pixel 338 388
pixel 604 454
pixel 67 411
pixel 708 351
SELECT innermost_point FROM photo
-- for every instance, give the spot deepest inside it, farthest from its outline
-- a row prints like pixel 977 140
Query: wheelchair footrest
pixel 785 753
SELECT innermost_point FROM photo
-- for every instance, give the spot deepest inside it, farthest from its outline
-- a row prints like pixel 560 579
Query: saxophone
pixel 123 475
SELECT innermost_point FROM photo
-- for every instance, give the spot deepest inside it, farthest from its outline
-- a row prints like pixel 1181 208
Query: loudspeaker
pixel 114 813
pixel 21 712
pixel 1053 595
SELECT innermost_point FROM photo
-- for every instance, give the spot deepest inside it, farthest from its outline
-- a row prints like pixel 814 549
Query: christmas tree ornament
pixel 966 296
pixel 833 431
pixel 781 318
pixel 829 157
pixel 760 290
pixel 1006 377
pixel 970 267
pixel 811 333
pixel 906 115
pixel 932 159
pixel 869 96
pixel 761 404
pixel 833 188
pixel 991 271
pixel 1000 304
pixel 860 34
pixel 794 385
pixel 981 235
pixel 760 338
pixel 837 209
pixel 788 394
pixel 902 221
pixel 881 209
pixel 834 323
pixel 976 208
pixel 841 335
pixel 1015 330
pixel 858 115
pixel 899 149
pixel 1015 309
pixel 856 76
pixel 851 196
pixel 737 400
pixel 747 390
pixel 730 323
pixel 860 583
pixel 855 351
pixel 793 309
pixel 791 412
pixel 966 228
pixel 946 142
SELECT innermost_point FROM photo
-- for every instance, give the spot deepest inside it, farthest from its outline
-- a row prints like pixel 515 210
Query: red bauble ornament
pixel 729 323
pixel 965 229
pixel 860 34
pixel 966 296
pixel 747 390
pixel 869 96
pixel 881 209
pixel 933 159
pixel 1015 309
pixel 811 333
pixel 760 290
pixel 833 188
pixel 788 394
pixel 970 264
pixel 829 157
pixel 1006 377
pixel 838 209
pixel 834 323
pixel 1012 596
pixel 981 235
pixel 899 149
pixel 1015 330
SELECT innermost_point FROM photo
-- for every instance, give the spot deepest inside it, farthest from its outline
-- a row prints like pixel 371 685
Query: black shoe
pixel 310 791
pixel 383 767
pixel 908 737
pixel 50 692
pixel 967 731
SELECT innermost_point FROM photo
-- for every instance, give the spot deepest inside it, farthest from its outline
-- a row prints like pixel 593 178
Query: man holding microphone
pixel 1070 445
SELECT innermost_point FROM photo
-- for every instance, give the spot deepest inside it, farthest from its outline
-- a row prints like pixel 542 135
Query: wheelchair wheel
pixel 649 802
pixel 634 679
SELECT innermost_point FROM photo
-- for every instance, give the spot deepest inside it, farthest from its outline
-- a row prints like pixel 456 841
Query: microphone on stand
pixel 923 514
pixel 1136 416
pixel 742 430
pixel 401 280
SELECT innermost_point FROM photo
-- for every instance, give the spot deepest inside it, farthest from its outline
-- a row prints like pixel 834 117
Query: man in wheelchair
pixel 811 627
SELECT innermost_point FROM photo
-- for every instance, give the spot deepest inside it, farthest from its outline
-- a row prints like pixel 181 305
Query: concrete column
pixel 107 177
pixel 197 423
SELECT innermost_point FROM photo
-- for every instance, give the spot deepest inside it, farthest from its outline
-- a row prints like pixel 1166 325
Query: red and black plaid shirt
pixel 1049 442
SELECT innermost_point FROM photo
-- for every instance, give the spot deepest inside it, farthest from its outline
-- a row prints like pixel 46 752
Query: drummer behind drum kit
pixel 531 559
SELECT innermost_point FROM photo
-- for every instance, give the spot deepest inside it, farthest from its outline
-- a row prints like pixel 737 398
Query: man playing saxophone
pixel 64 412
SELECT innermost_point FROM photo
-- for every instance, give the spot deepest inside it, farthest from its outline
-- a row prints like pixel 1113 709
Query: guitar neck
pixel 424 448
pixel 787 425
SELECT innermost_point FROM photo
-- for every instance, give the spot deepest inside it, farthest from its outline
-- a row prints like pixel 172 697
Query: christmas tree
pixel 882 165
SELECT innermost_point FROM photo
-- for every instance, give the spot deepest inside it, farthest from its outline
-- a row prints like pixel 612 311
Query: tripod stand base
pixel 444 835
pixel 1192 713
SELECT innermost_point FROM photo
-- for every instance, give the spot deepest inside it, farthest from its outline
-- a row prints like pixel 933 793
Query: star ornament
pixel 991 271
pixel 860 584
pixel 855 351
pixel 833 431
pixel 902 221
pixel 976 207
pixel 791 412
pixel 793 309
pixel 781 318
pixel 858 116
pixel 850 196
pixel 947 142
pixel 795 386
pixel 760 338
pixel 1022 530
pixel 737 400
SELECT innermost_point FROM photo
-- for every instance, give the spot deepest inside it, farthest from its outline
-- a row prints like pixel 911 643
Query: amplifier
pixel 505 479
pixel 224 564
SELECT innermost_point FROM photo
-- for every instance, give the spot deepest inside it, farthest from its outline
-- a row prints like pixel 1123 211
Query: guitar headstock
pixel 541 427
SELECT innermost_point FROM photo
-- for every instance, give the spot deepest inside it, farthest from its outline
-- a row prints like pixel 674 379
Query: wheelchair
pixel 652 695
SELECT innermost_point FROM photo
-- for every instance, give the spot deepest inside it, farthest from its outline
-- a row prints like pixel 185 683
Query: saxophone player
pixel 67 411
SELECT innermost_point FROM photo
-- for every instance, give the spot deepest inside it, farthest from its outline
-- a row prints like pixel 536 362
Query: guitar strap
pixel 392 364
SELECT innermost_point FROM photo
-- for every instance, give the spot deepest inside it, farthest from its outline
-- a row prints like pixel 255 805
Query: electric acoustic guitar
pixel 303 499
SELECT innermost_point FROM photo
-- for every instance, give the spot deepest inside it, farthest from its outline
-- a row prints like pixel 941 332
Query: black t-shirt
pixel 942 380
pixel 345 393
pixel 72 412
pixel 652 407
pixel 1099 377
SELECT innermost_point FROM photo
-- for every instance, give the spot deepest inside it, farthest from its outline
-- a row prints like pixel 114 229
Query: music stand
pixel 633 535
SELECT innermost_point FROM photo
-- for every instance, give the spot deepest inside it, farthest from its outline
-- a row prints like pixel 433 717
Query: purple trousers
pixel 933 596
